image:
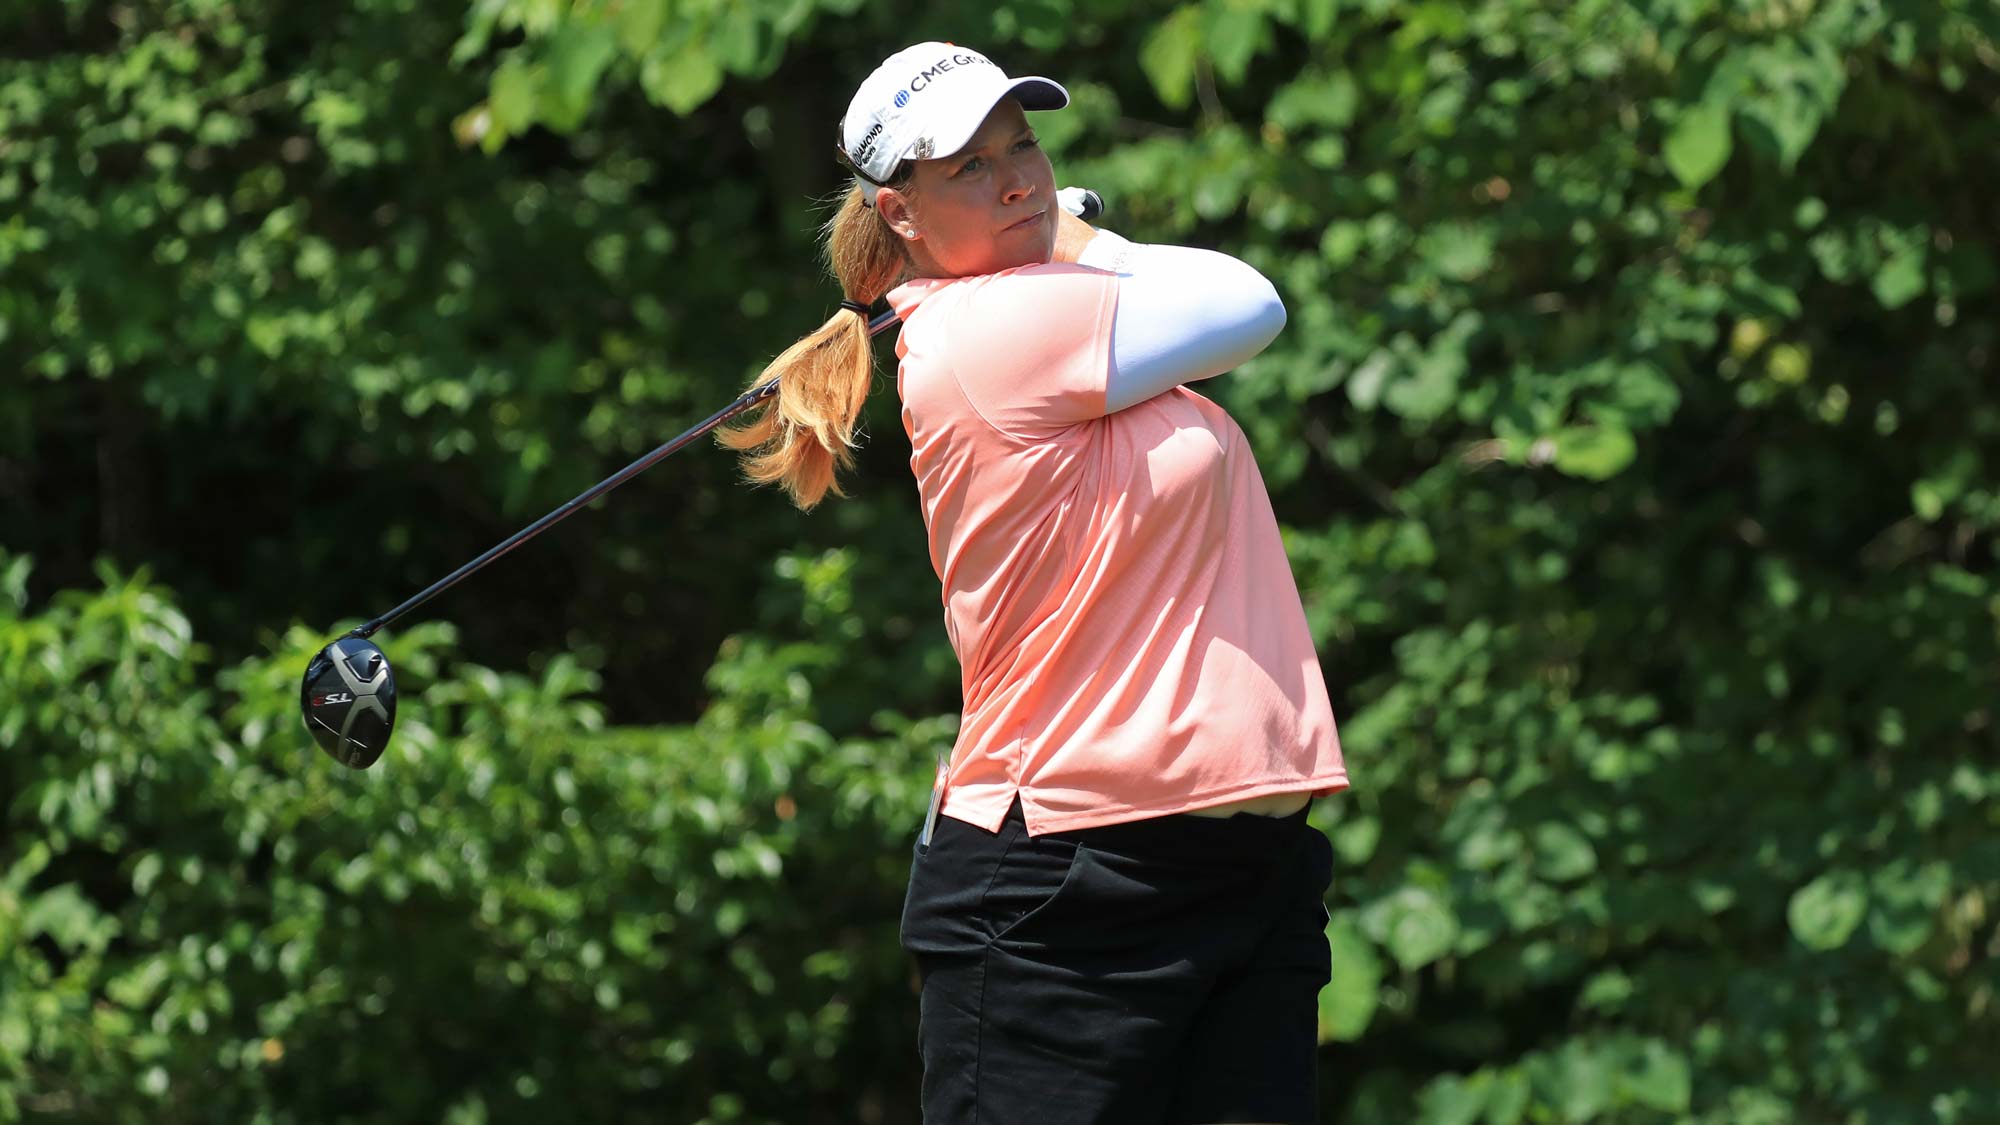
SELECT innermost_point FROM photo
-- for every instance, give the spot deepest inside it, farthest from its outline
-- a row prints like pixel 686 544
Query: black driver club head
pixel 348 700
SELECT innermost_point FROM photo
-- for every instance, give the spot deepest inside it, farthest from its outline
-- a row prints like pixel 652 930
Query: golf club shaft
pixel 878 325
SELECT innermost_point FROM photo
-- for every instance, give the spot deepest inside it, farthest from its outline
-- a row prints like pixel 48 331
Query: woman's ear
pixel 897 212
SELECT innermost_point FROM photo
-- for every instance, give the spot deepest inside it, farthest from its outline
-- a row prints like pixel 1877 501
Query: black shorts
pixel 1162 970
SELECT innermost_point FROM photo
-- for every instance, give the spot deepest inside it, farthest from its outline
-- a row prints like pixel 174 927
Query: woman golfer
pixel 1117 912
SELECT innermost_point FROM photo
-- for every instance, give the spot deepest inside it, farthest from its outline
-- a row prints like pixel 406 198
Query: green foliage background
pixel 1634 434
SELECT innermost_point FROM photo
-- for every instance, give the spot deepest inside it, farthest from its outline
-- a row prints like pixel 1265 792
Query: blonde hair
pixel 805 435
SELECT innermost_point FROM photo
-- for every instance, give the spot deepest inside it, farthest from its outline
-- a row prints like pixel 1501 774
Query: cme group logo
pixel 902 98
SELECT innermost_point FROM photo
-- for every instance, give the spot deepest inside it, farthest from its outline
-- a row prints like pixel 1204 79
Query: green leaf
pixel 1507 1101
pixel 17 1034
pixel 146 872
pixel 1460 251
pixel 1432 378
pixel 1905 905
pixel 1315 99
pixel 1235 32
pixel 1793 84
pixel 512 96
pixel 736 37
pixel 136 988
pixel 1347 1003
pixel 1341 242
pixel 1452 1100
pixel 683 81
pixel 1594 452
pixel 1662 1079
pixel 14 579
pixel 1699 145
pixel 1168 56
pixel 1366 383
pixel 577 56
pixel 1355 837
pixel 639 23
pixel 1579 1080
pixel 1317 18
pixel 1825 912
pixel 68 919
pixel 1641 396
pixel 1414 924
pixel 1562 853
pixel 1927 499
pixel 1901 278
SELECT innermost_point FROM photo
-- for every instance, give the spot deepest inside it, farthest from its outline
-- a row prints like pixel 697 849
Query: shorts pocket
pixel 970 885
pixel 1032 877
pixel 1108 902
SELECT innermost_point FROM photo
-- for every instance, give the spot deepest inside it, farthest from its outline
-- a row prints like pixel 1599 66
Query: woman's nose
pixel 1018 185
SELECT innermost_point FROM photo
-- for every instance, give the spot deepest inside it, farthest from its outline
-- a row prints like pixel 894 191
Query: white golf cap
pixel 927 101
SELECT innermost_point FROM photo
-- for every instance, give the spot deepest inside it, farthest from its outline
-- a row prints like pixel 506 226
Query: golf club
pixel 348 695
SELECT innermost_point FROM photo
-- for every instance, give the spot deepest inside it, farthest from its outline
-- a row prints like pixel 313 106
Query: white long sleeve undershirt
pixel 1184 315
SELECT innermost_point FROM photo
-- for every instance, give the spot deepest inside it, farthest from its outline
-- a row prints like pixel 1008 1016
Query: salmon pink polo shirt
pixel 1130 637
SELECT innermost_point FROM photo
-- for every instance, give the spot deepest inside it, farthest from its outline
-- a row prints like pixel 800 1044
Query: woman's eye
pixel 1027 143
pixel 967 166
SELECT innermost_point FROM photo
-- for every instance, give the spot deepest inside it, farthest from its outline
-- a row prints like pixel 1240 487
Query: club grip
pixel 1084 203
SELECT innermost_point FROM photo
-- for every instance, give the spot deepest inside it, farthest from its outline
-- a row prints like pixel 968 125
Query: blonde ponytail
pixel 802 438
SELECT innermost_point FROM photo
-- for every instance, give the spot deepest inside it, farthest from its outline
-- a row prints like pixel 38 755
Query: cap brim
pixel 1033 92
